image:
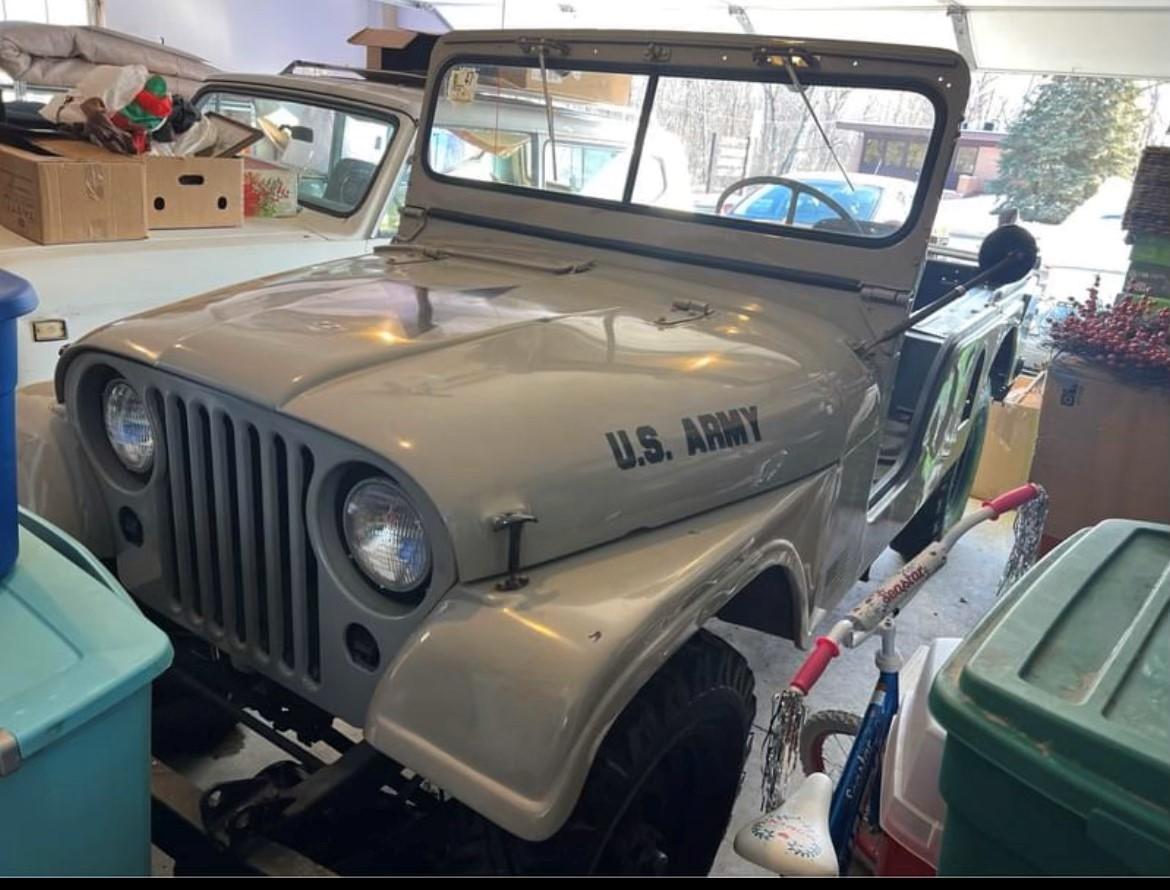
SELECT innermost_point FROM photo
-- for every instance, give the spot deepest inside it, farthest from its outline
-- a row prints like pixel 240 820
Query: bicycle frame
pixel 863 767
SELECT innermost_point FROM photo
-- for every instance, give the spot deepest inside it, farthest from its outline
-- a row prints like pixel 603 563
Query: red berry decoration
pixel 1131 337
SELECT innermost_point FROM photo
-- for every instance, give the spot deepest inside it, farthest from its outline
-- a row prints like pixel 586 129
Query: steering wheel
pixel 796 187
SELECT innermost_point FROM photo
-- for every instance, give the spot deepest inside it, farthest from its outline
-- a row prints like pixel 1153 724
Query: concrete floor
pixel 949 605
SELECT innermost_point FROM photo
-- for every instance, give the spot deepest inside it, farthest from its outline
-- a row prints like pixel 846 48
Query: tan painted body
pixel 549 367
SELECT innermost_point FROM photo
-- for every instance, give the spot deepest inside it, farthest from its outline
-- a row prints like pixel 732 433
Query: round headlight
pixel 128 427
pixel 385 535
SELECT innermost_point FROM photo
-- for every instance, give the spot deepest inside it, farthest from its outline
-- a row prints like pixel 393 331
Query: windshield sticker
pixel 699 434
pixel 462 83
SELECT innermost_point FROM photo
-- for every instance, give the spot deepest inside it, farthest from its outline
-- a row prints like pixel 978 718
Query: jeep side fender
pixel 502 698
pixel 53 475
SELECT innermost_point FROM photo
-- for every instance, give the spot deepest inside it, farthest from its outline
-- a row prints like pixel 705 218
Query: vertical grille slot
pixel 187 582
pixel 226 521
pixel 308 561
pixel 273 574
pixel 202 520
pixel 239 562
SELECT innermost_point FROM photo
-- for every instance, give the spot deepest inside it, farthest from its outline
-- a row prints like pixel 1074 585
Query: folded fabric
pixel 61 55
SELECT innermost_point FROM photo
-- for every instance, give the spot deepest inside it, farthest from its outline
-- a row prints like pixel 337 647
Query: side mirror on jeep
pixel 1007 254
pixel 300 134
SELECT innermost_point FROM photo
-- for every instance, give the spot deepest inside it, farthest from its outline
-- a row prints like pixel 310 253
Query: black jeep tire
pixel 184 723
pixel 945 506
pixel 658 797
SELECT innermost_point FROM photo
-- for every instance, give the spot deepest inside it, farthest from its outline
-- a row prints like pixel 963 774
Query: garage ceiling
pixel 1127 39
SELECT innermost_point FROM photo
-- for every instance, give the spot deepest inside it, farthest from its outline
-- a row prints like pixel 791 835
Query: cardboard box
pixel 396 49
pixel 74 192
pixel 588 86
pixel 1102 449
pixel 1012 427
pixel 194 193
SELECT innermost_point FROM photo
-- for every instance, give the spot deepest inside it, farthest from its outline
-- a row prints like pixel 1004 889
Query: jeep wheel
pixel 945 506
pixel 659 794
pixel 184 724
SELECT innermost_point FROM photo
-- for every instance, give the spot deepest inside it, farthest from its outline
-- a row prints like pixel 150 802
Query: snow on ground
pixel 1089 242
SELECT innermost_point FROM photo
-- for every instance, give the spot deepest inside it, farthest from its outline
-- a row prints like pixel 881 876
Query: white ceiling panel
pixel 1129 38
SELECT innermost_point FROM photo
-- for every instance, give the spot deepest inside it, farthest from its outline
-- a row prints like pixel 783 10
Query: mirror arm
pixel 945 300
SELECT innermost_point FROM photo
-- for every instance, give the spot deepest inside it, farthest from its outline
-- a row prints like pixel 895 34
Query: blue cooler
pixel 76 661
pixel 17 298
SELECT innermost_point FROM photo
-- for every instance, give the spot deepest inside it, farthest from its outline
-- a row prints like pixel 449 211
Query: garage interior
pixel 470 437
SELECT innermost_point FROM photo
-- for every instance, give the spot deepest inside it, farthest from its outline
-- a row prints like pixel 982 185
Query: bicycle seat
pixel 794 839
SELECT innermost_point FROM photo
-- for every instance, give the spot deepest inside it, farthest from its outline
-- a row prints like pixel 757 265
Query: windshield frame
pixel 653 73
pixel 394 119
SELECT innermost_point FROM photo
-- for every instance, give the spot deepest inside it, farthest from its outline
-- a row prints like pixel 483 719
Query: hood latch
pixel 513 522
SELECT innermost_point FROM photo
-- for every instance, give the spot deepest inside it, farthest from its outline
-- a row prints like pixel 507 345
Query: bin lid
pixel 72 643
pixel 1065 685
pixel 17 296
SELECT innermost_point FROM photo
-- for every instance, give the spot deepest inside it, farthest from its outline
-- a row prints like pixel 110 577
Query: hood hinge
pixel 873 293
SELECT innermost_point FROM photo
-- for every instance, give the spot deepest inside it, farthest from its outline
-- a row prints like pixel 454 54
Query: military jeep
pixel 477 494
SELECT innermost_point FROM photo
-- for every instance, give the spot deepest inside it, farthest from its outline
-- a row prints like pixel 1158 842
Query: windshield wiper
pixel 824 136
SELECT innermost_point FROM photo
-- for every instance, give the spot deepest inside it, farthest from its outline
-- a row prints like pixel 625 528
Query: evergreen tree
pixel 1072 134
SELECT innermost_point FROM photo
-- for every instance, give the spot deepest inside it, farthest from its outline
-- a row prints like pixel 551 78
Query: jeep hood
pixel 502 388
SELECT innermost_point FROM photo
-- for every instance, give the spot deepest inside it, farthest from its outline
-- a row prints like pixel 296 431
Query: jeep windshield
pixel 335 153
pixel 728 151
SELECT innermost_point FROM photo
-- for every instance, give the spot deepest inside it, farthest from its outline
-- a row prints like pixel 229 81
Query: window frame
pixel 357 109
pixel 654 73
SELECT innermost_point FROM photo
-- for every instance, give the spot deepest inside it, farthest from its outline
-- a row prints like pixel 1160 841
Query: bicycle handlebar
pixel 812 668
pixel 894 593
pixel 1010 500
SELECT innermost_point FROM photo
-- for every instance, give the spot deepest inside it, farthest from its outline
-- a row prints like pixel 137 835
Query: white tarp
pixel 1129 38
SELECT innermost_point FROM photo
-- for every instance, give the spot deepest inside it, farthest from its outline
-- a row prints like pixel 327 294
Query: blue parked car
pixel 879 204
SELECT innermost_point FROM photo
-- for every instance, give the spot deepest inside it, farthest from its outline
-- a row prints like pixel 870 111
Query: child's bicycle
pixel 814 831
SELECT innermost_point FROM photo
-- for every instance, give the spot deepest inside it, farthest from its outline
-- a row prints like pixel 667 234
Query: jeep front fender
pixel 502 698
pixel 53 475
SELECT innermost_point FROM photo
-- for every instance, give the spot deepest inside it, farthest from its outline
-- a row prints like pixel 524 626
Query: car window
pixel 577 164
pixel 859 201
pixel 395 201
pixel 335 153
pixel 770 204
pixel 700 138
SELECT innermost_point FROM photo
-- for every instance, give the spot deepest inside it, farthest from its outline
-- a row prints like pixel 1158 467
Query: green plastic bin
pixel 1057 712
pixel 76 661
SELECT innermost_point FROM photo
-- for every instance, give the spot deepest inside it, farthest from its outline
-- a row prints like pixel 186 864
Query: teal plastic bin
pixel 76 661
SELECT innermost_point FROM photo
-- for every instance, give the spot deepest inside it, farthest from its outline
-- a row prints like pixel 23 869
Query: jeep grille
pixel 237 557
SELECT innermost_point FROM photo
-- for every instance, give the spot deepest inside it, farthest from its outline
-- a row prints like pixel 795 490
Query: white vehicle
pixel 349 138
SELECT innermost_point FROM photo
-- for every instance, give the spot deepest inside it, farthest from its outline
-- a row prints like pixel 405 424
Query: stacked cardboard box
pixel 1102 449
pixel 63 190
pixel 1006 461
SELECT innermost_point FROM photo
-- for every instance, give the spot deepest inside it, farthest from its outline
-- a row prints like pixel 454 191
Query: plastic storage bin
pixel 17 298
pixel 76 662
pixel 912 810
pixel 1057 712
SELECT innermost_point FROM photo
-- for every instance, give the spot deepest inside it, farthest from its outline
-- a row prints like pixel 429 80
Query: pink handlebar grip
pixel 1012 499
pixel 826 650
